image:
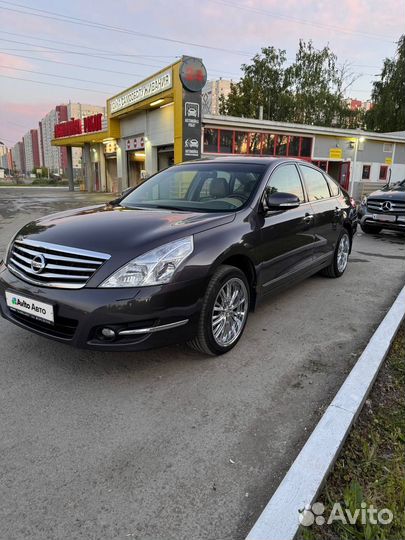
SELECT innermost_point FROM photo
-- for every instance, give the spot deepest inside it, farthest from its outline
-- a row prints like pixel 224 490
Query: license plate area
pixel 30 307
pixel 384 217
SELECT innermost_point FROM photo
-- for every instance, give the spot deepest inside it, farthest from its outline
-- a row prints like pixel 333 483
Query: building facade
pixel 211 94
pixel 53 157
pixel 159 122
pixel 18 155
pixel 31 151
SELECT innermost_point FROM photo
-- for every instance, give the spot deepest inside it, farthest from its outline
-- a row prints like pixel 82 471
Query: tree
pixel 263 84
pixel 388 95
pixel 309 91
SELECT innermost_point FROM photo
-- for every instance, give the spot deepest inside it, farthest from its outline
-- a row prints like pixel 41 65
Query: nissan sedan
pixel 185 256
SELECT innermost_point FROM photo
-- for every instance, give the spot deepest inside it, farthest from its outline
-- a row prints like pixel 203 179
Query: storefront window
pixel 254 143
pixel 383 172
pixel 294 147
pixel 225 141
pixel 240 142
pixel 306 146
pixel 210 140
pixel 366 172
pixel 268 144
pixel 282 143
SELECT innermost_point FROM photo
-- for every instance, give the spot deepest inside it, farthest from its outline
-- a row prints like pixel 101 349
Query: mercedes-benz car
pixel 384 209
pixel 185 256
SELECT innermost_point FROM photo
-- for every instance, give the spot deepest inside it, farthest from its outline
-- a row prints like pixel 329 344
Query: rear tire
pixel 340 257
pixel 224 312
pixel 369 229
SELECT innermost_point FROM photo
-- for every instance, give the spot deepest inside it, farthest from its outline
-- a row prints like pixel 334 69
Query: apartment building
pixel 211 94
pixel 55 158
pixel 31 151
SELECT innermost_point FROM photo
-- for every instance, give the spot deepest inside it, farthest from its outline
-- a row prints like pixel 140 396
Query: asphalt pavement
pixel 169 444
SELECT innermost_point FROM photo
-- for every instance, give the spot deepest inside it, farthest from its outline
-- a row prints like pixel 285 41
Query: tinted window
pixel 286 179
pixel 240 142
pixel 366 172
pixel 268 144
pixel 306 146
pixel 254 143
pixel 316 185
pixel 294 148
pixel 333 187
pixel 225 141
pixel 281 148
pixel 210 140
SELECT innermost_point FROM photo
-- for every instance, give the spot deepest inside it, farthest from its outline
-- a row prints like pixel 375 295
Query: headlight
pixel 364 201
pixel 154 267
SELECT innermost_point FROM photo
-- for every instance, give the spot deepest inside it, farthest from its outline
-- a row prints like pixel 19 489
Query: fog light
pixel 108 333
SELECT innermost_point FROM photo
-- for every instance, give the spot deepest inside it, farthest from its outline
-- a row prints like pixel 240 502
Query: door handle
pixel 308 217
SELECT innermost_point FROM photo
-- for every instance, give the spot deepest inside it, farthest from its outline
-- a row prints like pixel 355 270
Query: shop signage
pixel 193 74
pixel 388 160
pixel 93 123
pixel 335 153
pixel 150 88
pixel 191 125
pixel 67 129
pixel 135 143
pixel 76 126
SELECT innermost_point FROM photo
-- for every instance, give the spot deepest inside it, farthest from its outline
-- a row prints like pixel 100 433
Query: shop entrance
pixel 165 157
pixel 136 163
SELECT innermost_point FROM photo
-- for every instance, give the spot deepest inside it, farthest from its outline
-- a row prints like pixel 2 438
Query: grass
pixel 371 466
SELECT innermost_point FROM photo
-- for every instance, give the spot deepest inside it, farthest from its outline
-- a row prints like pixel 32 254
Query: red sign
pixel 77 127
pixel 93 123
pixel 67 129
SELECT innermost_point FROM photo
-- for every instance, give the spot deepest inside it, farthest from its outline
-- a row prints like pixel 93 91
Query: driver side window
pixel 287 180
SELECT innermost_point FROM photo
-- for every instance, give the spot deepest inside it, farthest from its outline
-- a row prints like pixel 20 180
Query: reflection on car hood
pixel 112 229
pixel 388 194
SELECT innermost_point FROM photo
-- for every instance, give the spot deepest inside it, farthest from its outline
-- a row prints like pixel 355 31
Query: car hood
pixel 113 229
pixel 398 195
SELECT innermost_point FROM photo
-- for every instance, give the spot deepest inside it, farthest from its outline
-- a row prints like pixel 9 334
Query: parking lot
pixel 169 444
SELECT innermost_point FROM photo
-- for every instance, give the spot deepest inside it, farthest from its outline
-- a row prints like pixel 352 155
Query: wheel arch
pixel 245 265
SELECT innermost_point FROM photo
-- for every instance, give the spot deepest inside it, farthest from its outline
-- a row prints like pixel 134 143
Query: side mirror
pixel 123 194
pixel 281 201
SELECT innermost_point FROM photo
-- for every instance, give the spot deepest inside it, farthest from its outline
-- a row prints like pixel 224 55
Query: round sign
pixel 193 74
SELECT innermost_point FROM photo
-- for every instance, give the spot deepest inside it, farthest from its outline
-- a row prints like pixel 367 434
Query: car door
pixel 325 210
pixel 286 236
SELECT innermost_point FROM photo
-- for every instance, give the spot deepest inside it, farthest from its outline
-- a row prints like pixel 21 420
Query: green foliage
pixel 308 91
pixel 388 95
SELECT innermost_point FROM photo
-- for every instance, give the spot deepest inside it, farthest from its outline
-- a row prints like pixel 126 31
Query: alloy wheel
pixel 229 312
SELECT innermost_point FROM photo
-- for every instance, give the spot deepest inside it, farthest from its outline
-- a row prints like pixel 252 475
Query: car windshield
pixel 203 187
pixel 397 186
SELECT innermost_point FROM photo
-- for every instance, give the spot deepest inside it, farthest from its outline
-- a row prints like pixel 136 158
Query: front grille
pixel 63 327
pixel 53 265
pixel 376 205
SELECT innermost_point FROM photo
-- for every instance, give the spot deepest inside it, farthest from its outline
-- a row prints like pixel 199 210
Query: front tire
pixel 224 312
pixel 340 257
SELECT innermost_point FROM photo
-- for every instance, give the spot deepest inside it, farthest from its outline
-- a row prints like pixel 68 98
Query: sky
pixel 45 61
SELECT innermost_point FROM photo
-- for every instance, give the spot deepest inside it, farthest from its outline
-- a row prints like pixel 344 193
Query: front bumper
pixel 170 313
pixel 367 218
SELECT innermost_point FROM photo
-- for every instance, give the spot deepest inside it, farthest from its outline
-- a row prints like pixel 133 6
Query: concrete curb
pixel 300 486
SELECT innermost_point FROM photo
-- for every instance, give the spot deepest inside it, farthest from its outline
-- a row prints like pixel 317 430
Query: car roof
pixel 244 159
